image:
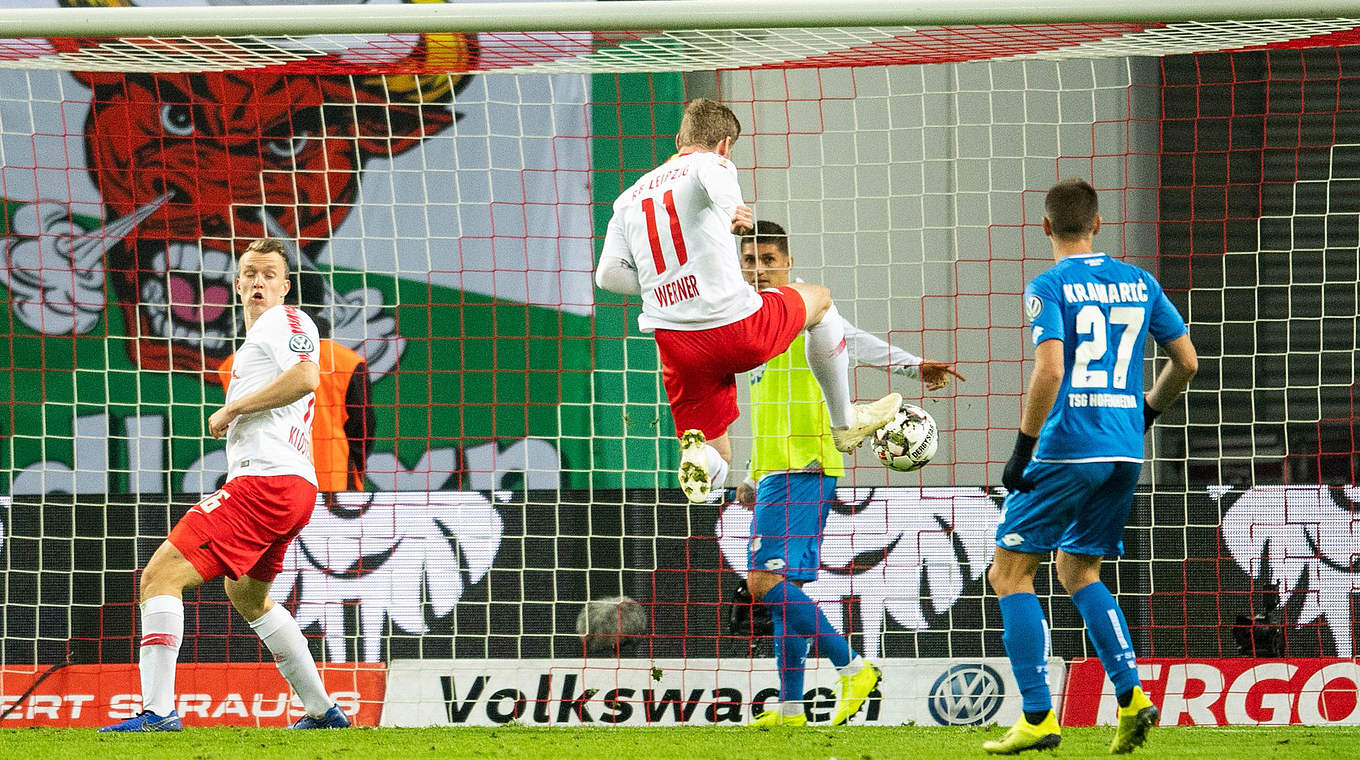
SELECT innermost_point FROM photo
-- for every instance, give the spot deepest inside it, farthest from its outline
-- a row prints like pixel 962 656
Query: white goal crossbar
pixel 266 20
pixel 649 36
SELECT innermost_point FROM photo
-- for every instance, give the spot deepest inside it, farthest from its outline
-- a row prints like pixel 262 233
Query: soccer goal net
pixel 494 439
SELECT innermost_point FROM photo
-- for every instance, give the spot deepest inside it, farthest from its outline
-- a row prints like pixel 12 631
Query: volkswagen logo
pixel 966 695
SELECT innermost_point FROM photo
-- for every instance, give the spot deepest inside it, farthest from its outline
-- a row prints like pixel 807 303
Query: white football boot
pixel 695 479
pixel 868 418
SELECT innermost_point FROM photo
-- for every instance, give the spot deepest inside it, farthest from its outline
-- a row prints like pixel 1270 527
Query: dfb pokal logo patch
pixel 1034 306
pixel 966 695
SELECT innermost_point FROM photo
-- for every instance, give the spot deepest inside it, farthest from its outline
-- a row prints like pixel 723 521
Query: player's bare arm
pixel 1045 380
pixel 299 380
pixel 1176 375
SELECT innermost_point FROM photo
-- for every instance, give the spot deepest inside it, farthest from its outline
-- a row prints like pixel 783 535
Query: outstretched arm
pixel 870 350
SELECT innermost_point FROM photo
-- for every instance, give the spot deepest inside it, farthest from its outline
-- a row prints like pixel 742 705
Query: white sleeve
pixel 617 276
pixel 869 350
pixel 616 272
pixel 291 341
pixel 719 178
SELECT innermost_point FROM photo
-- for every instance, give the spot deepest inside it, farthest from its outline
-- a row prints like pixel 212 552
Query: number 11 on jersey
pixel 654 236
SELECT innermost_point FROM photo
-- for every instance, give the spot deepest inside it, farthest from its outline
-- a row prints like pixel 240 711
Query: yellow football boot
pixel 776 718
pixel 1025 735
pixel 852 692
pixel 1134 723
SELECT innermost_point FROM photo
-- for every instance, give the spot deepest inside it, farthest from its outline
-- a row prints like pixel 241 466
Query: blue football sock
pixel 803 618
pixel 1026 641
pixel 1109 632
pixel 790 654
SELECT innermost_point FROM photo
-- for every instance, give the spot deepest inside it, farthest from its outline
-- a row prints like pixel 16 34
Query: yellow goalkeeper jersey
pixel 789 422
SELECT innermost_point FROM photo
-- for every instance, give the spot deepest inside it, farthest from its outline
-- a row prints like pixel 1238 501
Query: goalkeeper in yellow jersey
pixel 796 464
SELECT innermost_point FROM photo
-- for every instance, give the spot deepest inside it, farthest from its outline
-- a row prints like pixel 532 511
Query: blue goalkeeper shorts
pixel 786 535
pixel 1078 507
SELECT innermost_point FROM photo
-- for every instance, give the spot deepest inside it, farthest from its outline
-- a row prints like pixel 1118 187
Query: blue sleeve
pixel 1043 308
pixel 1166 323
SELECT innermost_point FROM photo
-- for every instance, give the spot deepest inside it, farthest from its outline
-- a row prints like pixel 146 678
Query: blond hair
pixel 270 245
pixel 705 123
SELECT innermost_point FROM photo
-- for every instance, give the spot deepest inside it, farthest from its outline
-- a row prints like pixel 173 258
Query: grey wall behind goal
pixel 916 194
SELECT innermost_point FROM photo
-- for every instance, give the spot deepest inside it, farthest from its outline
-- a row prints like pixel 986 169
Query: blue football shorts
pixel 1080 508
pixel 786 535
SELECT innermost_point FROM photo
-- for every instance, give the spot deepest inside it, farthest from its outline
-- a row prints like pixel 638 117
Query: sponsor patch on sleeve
pixel 301 344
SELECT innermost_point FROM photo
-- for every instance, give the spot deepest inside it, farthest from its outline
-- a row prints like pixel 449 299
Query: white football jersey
pixel 674 226
pixel 275 441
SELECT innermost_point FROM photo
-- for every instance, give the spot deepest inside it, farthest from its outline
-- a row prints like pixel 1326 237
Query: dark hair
pixel 1071 207
pixel 270 245
pixel 767 231
pixel 706 122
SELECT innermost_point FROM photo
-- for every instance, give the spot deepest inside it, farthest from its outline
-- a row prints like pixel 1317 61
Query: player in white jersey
pixel 243 530
pixel 671 241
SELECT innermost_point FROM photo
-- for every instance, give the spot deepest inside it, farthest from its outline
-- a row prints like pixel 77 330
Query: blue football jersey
pixel 1102 310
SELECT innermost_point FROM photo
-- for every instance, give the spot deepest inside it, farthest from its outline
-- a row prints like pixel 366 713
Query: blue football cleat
pixel 146 721
pixel 334 718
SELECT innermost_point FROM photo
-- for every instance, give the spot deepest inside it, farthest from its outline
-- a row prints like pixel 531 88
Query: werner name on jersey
pixel 275 441
pixel 678 218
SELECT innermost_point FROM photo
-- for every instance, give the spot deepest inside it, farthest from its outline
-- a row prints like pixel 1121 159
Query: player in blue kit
pixel 1077 457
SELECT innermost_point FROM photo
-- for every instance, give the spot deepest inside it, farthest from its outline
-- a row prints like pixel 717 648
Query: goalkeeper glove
pixel 1014 476
pixel 746 616
pixel 1149 414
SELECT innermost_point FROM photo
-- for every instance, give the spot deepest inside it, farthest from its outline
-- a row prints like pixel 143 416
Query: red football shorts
pixel 699 367
pixel 245 528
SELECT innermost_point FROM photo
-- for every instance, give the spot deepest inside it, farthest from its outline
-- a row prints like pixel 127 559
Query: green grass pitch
pixel 677 743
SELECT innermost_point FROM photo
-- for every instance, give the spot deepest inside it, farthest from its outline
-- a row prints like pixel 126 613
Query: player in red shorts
pixel 671 241
pixel 242 530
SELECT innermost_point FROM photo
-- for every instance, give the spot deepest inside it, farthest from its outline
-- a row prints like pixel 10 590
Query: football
pixel 909 441
pixel 611 626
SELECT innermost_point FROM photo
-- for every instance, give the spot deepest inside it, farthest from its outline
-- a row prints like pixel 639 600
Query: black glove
pixel 746 616
pixel 1149 414
pixel 1014 477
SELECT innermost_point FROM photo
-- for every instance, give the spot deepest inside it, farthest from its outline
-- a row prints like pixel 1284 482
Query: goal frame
pixel 266 20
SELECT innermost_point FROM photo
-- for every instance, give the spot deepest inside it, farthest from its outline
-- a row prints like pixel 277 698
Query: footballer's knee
pixel 760 582
pixel 1076 571
pixel 816 301
pixel 167 573
pixel 1012 572
pixel 248 597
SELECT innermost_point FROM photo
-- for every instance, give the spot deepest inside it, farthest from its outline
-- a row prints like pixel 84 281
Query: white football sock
pixel 717 467
pixel 162 630
pixel 280 633
pixel 791 708
pixel 830 364
pixel 853 667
